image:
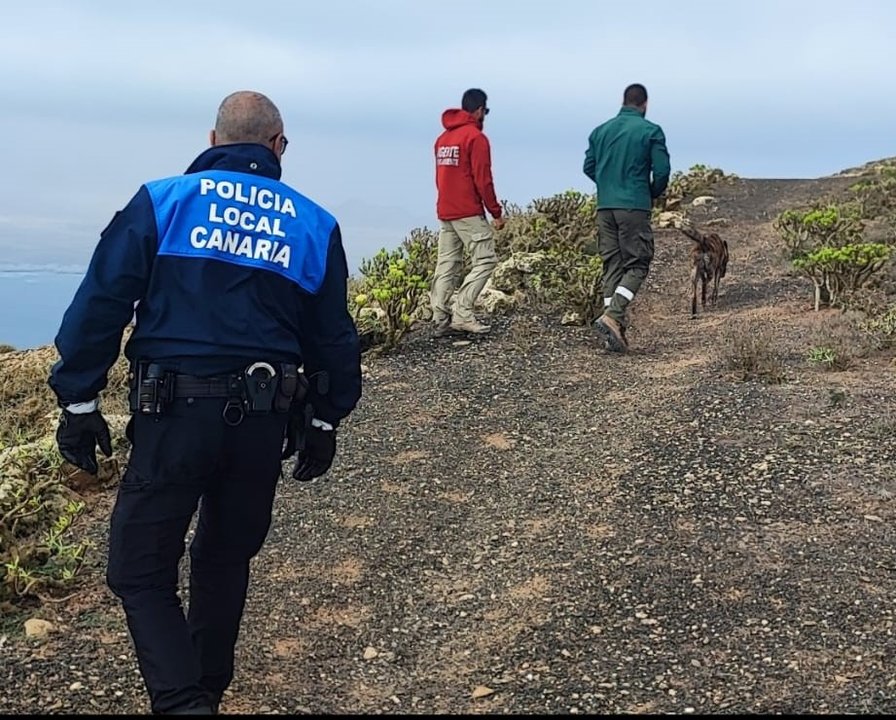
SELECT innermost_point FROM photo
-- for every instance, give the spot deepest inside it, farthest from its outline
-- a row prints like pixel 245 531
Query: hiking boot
pixel 612 332
pixel 442 329
pixel 473 327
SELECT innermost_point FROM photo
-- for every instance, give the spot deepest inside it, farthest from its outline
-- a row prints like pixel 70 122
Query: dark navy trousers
pixel 186 458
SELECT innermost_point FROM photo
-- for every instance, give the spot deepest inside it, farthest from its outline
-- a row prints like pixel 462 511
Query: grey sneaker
pixel 470 326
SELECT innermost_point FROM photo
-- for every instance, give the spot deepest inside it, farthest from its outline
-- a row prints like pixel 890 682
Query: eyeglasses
pixel 283 141
pixel 485 111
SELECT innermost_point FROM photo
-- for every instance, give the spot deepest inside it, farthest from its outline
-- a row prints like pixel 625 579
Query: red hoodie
pixel 464 169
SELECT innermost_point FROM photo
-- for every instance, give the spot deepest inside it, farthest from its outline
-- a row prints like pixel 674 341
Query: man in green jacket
pixel 628 161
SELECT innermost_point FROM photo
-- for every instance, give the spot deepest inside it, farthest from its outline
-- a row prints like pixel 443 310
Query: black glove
pixel 78 435
pixel 315 458
pixel 296 428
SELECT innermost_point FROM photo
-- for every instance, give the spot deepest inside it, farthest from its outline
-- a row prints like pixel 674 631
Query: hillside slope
pixel 527 524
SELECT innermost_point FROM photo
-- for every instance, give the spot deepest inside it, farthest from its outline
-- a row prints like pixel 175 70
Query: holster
pixel 151 388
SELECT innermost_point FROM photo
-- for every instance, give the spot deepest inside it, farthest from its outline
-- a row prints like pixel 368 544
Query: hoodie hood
pixel 455 118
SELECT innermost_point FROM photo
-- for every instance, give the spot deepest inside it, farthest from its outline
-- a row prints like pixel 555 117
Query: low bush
pixel 698 180
pixel 822 225
pixel 837 340
pixel 881 329
pixel 37 512
pixel 39 552
pixel 394 286
pixel 548 254
pixel 840 271
pixel 750 353
pixel 876 195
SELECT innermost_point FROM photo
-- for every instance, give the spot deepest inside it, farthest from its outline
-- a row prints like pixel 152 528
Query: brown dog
pixel 709 263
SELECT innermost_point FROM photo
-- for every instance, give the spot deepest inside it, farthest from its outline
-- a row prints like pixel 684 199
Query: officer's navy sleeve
pixel 89 339
pixel 331 341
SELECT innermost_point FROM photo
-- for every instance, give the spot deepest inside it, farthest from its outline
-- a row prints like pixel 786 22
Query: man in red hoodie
pixel 465 192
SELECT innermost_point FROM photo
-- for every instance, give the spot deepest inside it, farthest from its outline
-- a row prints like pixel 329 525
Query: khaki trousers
pixel 625 244
pixel 475 235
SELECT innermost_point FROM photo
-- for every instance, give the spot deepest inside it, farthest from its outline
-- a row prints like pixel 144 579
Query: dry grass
pixel 837 341
pixel 750 352
pixel 27 405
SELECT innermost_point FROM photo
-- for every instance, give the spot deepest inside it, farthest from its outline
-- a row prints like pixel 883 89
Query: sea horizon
pixel 34 299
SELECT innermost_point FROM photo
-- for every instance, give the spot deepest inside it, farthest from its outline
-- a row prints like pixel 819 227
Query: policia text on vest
pixel 227 219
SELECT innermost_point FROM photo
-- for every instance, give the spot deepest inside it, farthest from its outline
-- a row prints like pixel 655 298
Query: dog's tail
pixel 694 234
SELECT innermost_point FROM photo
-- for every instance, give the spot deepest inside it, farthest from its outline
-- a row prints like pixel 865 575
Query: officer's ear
pixel 211 138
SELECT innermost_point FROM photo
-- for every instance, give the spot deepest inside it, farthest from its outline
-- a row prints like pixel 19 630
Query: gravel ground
pixel 526 524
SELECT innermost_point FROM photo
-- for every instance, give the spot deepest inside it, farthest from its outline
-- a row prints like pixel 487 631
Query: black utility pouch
pixel 292 388
pixel 261 383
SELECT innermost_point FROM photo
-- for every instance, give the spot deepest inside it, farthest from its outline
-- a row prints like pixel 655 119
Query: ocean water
pixel 32 303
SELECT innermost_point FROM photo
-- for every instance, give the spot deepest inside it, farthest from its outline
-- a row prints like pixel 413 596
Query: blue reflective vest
pixel 227 266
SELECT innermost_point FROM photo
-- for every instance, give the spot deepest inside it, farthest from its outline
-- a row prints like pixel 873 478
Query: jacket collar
pixel 628 110
pixel 248 158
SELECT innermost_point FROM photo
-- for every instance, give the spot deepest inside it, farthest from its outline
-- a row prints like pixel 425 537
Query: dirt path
pixel 526 524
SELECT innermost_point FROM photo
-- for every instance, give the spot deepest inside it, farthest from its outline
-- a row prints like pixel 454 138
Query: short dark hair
pixel 634 95
pixel 473 99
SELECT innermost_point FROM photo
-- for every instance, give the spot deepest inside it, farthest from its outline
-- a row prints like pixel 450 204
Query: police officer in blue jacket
pixel 242 340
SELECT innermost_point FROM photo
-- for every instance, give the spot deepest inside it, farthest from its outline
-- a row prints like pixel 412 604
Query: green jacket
pixel 622 153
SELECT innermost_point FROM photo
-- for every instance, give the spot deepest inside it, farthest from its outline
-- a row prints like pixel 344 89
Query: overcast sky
pixel 99 97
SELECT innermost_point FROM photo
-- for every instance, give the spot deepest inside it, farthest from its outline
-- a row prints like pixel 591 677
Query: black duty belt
pixel 258 389
pixel 187 386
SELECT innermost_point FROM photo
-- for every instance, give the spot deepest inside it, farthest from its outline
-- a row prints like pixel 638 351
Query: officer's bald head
pixel 247 117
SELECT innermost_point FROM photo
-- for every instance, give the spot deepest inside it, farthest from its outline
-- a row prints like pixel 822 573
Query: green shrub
pixel 881 328
pixel 582 291
pixel 876 195
pixel 367 316
pixel 394 286
pixel 821 225
pixel 829 359
pixel 566 222
pixel 547 254
pixel 698 180
pixel 823 356
pixel 422 248
pixel 838 271
pixel 38 505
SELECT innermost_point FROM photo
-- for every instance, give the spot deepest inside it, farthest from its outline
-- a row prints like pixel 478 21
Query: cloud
pixel 100 96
